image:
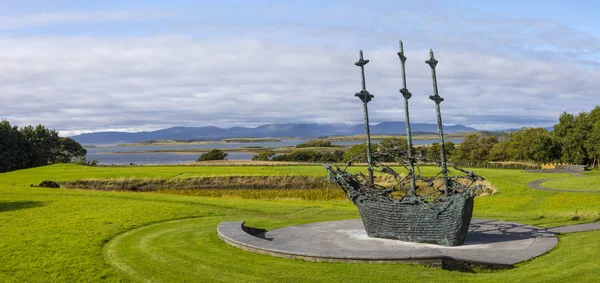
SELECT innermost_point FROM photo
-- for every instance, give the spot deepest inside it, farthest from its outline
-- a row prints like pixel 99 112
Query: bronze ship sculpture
pixel 441 216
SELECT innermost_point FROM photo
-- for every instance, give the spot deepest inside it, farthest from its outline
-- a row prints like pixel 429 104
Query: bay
pixel 122 155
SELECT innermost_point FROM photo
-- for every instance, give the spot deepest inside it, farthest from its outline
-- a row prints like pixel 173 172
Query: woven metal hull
pixel 443 223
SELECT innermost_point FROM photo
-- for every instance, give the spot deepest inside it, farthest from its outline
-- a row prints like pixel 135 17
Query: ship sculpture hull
pixel 443 223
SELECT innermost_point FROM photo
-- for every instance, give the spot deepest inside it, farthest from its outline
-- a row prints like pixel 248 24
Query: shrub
pixel 49 184
pixel 391 149
pixel 264 156
pixel 474 148
pixel 433 151
pixel 359 152
pixel 315 143
pixel 310 156
pixel 214 154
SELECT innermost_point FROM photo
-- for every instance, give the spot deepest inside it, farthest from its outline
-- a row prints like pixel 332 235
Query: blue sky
pixel 80 66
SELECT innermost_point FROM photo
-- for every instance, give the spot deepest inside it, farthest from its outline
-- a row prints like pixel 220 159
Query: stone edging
pixel 323 241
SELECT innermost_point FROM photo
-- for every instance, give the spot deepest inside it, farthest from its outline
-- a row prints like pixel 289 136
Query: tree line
pixel 35 146
pixel 575 139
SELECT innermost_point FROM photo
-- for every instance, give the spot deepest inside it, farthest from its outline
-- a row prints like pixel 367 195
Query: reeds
pixel 248 187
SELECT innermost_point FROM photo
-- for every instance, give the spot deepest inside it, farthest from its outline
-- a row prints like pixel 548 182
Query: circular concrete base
pixel 489 242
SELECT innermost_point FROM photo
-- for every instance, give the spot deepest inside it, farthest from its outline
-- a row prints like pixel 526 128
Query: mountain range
pixel 268 130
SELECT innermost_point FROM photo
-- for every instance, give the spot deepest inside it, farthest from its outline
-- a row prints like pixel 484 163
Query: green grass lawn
pixel 59 235
pixel 589 182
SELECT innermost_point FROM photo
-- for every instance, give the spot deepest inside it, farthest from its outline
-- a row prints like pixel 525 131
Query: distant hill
pixel 268 130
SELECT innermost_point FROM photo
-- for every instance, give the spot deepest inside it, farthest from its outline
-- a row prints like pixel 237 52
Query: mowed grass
pixel 60 235
pixel 589 182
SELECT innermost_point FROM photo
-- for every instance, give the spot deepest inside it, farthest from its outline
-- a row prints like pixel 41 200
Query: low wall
pixel 574 168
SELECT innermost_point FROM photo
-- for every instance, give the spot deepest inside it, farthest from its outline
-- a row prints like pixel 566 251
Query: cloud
pixel 80 83
pixel 43 19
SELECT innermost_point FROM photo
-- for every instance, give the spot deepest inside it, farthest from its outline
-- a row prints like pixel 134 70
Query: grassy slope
pixel 59 235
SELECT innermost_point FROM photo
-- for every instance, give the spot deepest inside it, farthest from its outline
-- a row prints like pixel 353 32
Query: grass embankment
pixel 589 182
pixel 248 187
pixel 60 235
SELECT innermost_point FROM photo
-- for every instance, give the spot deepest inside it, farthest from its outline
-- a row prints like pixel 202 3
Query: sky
pixel 84 66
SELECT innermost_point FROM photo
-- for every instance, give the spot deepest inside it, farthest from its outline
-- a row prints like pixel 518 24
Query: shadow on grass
pixel 16 205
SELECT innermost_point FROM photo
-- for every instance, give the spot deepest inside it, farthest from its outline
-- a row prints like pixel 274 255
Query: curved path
pixel 537 185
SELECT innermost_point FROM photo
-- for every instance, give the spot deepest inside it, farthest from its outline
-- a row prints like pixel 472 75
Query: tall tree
pixel 392 149
pixel 13 148
pixel 43 145
pixel 572 133
pixel 34 146
pixel 68 150
pixel 527 144
pixel 592 145
pixel 358 152
pixel 475 148
pixel 433 151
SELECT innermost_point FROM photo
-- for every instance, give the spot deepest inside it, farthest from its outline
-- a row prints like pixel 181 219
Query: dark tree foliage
pixel 49 184
pixel 358 152
pixel 592 145
pixel 392 149
pixel 315 143
pixel 34 146
pixel 13 148
pixel 214 154
pixel 420 152
pixel 577 137
pixel 311 156
pixel 527 144
pixel 67 150
pixel 264 156
pixel 433 151
pixel 474 148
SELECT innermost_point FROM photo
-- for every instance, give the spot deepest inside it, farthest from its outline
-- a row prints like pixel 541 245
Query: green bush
pixel 49 184
pixel 311 156
pixel 433 151
pixel 264 156
pixel 315 143
pixel 359 152
pixel 484 164
pixel 214 154
pixel 392 149
pixel 474 148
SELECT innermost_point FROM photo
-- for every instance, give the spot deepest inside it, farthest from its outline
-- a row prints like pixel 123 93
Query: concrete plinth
pixel 489 242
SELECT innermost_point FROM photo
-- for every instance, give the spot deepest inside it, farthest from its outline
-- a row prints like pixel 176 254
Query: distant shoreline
pixel 279 150
pixel 179 142
pixel 416 136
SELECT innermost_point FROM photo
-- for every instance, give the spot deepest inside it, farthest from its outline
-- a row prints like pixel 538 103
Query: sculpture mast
pixel 438 99
pixel 407 96
pixel 365 97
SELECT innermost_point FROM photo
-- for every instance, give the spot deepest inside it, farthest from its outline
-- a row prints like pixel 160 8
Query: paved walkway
pixel 537 185
pixel 575 228
pixel 489 242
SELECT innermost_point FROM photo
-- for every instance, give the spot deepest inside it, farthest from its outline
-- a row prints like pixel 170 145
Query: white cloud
pixel 13 22
pixel 82 84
